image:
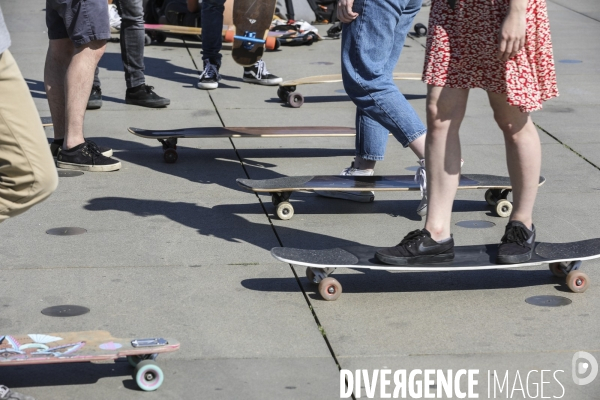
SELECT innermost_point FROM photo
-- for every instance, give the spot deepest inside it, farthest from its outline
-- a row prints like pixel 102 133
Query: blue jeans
pixel 371 47
pixel 212 30
pixel 132 43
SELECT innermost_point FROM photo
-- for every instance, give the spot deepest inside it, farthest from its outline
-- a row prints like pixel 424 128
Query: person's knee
pixel 511 127
pixel 46 183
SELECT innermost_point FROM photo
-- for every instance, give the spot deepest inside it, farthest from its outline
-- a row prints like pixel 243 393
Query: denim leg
pixel 371 47
pixel 132 41
pixel 212 29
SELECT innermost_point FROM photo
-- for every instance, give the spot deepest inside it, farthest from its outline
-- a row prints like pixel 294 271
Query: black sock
pixel 59 141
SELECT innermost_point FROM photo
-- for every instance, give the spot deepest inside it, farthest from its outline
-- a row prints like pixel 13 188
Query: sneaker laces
pixel 421 177
pixel 149 89
pixel 515 234
pixel 261 69
pixel 411 237
pixel 96 88
pixel 93 148
pixel 210 71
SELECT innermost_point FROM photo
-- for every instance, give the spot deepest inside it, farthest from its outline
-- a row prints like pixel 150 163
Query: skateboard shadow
pixel 66 374
pixel 154 67
pixel 375 281
pixel 219 221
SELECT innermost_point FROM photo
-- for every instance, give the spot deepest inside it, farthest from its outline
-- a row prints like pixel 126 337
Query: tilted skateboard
pixel 564 260
pixel 251 20
pixel 287 90
pixel 169 137
pixel 159 32
pixel 90 346
pixel 280 189
pixel 47 121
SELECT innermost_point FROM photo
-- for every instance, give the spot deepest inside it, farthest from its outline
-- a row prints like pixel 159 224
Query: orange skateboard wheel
pixel 271 43
pixel 229 34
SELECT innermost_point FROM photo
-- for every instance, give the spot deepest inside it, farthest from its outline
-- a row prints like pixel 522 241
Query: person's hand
pixel 344 11
pixel 512 35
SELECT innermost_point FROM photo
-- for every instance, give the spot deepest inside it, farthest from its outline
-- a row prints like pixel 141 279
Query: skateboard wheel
pixel 170 156
pixel 295 100
pixel 577 281
pixel 310 275
pixel 229 36
pixel 147 40
pixel 148 375
pixel 160 37
pixel 420 29
pixel 271 43
pixel 330 289
pixel 285 210
pixel 556 270
pixel 503 208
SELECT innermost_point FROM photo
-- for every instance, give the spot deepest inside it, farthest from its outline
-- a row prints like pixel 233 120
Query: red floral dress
pixel 463 43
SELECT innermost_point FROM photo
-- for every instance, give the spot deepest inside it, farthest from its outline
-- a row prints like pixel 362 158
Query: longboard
pixel 280 189
pixel 251 20
pixel 564 260
pixel 287 90
pixel 90 346
pixel 195 31
pixel 169 137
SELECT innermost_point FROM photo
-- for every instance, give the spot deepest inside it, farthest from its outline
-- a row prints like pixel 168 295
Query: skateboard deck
pixel 169 137
pixel 251 21
pixel 47 121
pixel 191 30
pixel 90 346
pixel 564 260
pixel 287 90
pixel 280 189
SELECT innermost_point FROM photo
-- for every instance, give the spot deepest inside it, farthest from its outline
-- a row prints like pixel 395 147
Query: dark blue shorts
pixel 82 21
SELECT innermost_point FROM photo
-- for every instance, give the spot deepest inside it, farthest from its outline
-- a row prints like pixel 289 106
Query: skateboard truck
pixel 249 39
pixel 283 207
pixel 170 149
pixel 316 275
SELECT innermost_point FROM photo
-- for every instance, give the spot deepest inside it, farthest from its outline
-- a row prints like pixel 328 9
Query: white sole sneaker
pixel 265 82
pixel 90 168
pixel 207 85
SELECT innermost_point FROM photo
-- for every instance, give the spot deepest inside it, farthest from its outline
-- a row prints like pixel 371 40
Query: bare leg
pixel 445 112
pixel 418 146
pixel 523 156
pixel 58 57
pixel 68 76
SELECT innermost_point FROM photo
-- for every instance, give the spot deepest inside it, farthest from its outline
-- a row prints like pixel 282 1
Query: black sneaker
pixel 417 248
pixel 144 96
pixel 258 74
pixel 7 394
pixel 56 147
pixel 517 244
pixel 86 157
pixel 95 100
pixel 209 78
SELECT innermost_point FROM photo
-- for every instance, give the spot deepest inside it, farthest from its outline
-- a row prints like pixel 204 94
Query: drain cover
pixel 65 311
pixel 69 174
pixel 66 231
pixel 548 301
pixel 475 224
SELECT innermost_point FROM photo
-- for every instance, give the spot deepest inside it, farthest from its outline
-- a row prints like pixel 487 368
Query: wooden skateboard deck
pixel 287 90
pixel 192 30
pixel 252 20
pixel 169 137
pixel 90 346
pixel 280 189
pixel 564 261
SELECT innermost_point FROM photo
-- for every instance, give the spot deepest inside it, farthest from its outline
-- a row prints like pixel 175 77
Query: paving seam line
pixel 306 298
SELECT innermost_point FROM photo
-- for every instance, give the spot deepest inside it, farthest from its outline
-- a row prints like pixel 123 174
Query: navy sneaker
pixel 417 248
pixel 517 244
pixel 56 147
pixel 258 74
pixel 86 157
pixel 209 78
pixel 143 95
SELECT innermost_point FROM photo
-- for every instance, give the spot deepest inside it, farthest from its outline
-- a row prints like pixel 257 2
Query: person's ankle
pixel 69 145
pixel 438 234
pixel 135 88
pixel 361 163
